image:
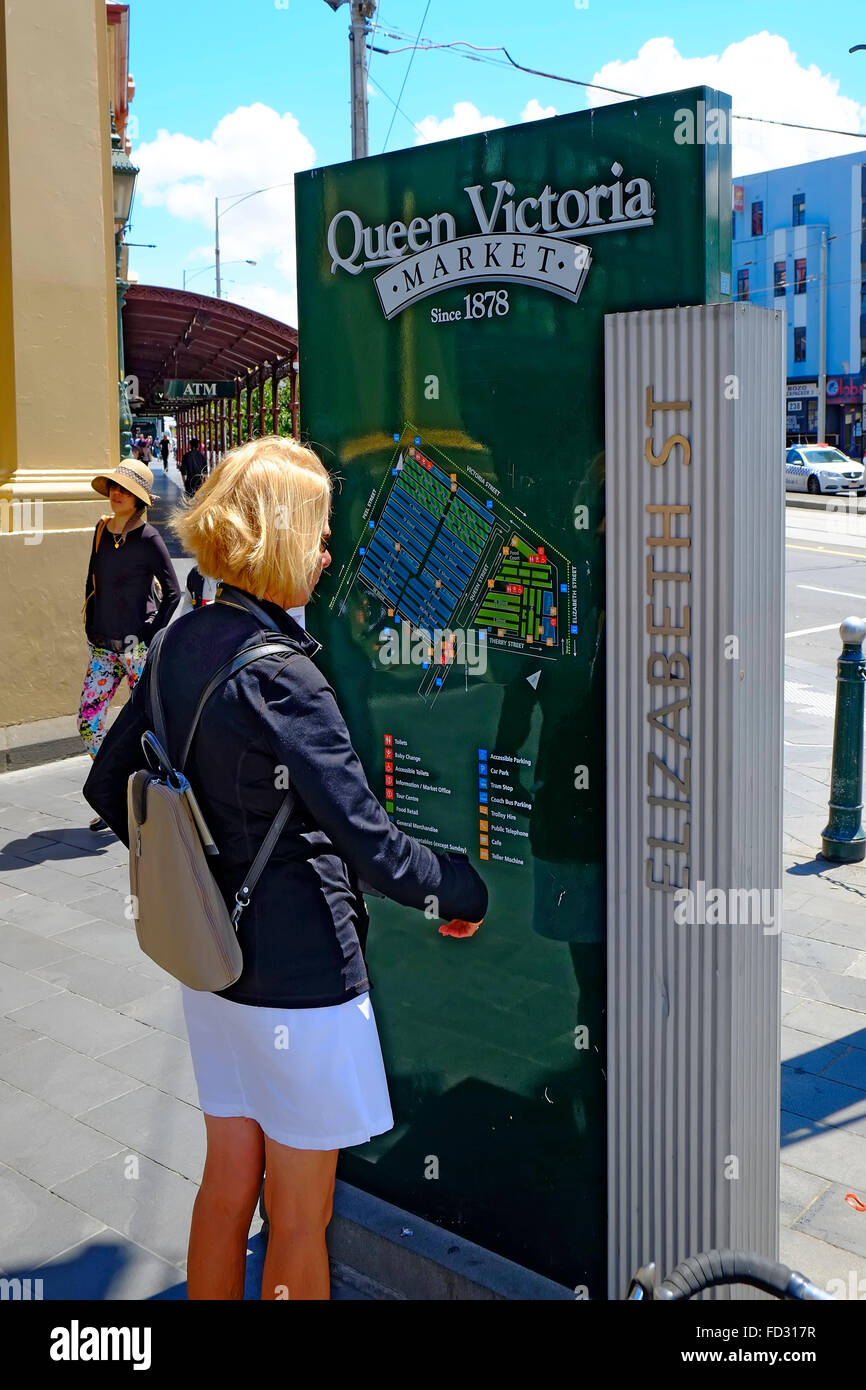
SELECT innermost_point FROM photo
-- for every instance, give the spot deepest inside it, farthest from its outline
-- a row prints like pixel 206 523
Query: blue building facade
pixel 780 218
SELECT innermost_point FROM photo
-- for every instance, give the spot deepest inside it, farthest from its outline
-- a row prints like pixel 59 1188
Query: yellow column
pixel 8 422
pixel 58 352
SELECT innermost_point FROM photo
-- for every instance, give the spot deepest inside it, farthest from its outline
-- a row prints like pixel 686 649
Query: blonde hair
pixel 257 521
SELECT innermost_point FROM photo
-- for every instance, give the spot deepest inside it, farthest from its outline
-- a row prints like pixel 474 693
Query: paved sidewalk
pixel 823 1009
pixel 101 1139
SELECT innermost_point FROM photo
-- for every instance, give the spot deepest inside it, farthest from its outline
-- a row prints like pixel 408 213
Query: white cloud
pixel 266 299
pixel 534 111
pixel 466 120
pixel 763 77
pixel 251 147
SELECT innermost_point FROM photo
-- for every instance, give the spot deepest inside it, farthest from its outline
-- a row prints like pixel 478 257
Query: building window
pixel 799 345
pixel 799 214
pixel 778 278
pixel 800 277
pixel 742 284
pixel 757 219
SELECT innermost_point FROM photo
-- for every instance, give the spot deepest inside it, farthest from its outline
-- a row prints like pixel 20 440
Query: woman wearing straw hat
pixel 121 615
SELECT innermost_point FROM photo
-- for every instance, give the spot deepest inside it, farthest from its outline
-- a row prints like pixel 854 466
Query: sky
pixel 237 95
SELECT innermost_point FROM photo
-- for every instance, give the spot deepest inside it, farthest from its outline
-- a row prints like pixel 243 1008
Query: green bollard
pixel 844 838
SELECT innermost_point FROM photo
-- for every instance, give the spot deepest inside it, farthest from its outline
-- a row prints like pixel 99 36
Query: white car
pixel 821 468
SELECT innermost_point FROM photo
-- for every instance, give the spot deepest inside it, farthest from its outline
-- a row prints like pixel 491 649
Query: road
pixel 826 577
pixel 825 555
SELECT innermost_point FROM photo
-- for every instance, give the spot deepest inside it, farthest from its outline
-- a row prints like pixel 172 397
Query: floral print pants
pixel 105 671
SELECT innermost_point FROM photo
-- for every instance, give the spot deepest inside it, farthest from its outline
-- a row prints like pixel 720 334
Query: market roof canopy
pixel 176 334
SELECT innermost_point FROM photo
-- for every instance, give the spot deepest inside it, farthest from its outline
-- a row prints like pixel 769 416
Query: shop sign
pixel 198 390
pixel 845 388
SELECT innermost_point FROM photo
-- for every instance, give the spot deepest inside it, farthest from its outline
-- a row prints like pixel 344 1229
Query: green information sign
pixel 451 336
pixel 198 390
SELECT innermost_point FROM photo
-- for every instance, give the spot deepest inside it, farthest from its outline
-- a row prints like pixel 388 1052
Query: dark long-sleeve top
pixel 120 585
pixel 193 469
pixel 304 932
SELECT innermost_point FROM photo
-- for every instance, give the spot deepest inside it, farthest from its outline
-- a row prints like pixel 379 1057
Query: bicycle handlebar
pixel 714 1267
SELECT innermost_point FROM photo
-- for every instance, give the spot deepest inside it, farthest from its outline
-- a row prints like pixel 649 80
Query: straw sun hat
pixel 135 477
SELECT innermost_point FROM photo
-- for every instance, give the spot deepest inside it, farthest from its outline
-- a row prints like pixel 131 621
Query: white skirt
pixel 310 1078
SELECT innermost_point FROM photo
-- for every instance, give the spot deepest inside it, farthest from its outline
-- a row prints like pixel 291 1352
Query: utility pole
pixel 362 11
pixel 216 245
pixel 822 342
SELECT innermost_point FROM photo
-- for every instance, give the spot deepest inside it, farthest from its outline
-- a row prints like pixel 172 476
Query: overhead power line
pixel 406 74
pixel 458 44
pixel 388 97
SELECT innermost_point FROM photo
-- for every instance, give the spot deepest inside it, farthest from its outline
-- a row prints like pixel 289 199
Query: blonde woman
pixel 287 1060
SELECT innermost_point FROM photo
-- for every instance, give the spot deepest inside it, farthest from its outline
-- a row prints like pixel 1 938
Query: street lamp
pixel 217 215
pixel 190 275
pixel 123 176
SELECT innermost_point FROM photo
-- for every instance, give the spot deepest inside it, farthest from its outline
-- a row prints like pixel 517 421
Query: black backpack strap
pixel 157 718
pixel 243 658
pixel 243 896
pixel 259 649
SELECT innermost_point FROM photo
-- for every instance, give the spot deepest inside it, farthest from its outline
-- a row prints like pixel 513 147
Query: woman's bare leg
pixel 224 1208
pixel 299 1197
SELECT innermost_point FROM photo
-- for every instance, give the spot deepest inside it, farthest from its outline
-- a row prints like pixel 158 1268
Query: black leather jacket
pixel 277 722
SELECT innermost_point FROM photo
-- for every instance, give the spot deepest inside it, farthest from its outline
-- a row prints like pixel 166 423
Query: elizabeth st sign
pixel 452 301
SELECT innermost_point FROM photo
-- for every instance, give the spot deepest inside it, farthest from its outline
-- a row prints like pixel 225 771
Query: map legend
pixel 389 775
pixel 483 822
pixel 504 807
pixel 413 796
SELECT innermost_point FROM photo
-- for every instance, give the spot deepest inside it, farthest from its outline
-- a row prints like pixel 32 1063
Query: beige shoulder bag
pixel 181 918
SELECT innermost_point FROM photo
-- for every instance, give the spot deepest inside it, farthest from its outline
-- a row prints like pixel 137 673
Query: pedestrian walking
pixel 200 587
pixel 193 468
pixel 279 1108
pixel 165 449
pixel 121 615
